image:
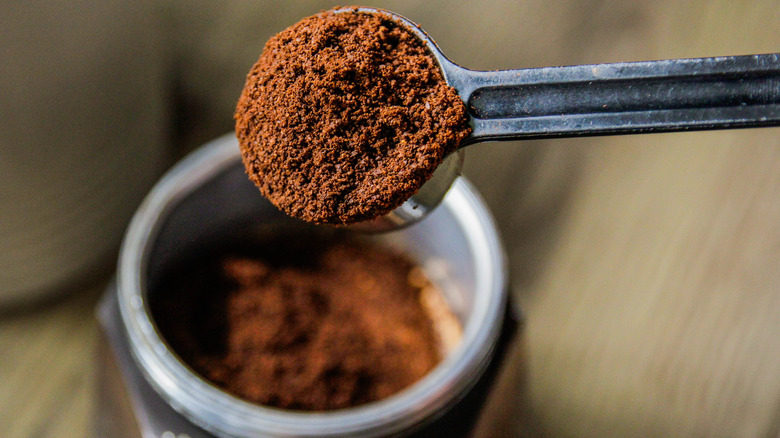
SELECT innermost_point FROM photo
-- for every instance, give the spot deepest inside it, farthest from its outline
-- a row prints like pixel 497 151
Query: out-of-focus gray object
pixel 83 125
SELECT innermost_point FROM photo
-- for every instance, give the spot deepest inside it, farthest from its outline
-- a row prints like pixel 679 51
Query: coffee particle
pixel 302 323
pixel 345 116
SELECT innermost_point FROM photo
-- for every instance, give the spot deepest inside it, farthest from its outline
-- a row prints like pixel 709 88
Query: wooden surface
pixel 648 266
pixel 47 372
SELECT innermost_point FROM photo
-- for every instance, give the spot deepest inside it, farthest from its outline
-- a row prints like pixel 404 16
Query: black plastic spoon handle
pixel 622 98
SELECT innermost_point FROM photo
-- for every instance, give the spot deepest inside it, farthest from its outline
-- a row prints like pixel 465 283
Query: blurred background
pixel 648 267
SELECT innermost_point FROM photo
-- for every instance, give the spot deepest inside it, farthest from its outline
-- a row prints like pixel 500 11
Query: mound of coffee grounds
pixel 307 324
pixel 345 116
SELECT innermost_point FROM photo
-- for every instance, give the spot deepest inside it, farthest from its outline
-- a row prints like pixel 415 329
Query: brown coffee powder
pixel 302 323
pixel 345 116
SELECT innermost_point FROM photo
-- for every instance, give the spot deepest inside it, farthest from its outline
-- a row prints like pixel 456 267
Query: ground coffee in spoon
pixel 345 116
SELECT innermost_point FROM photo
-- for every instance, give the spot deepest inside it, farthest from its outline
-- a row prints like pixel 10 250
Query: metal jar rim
pixel 226 415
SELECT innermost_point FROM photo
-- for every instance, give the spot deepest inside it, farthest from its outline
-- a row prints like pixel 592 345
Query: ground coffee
pixel 301 321
pixel 345 116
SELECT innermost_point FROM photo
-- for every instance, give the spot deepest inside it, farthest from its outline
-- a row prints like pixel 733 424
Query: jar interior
pixel 226 214
pixel 228 207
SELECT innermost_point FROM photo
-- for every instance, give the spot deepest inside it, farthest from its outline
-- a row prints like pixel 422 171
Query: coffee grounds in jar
pixel 301 323
pixel 345 116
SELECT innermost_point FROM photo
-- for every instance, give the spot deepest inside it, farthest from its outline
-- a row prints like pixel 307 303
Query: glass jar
pixel 145 384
